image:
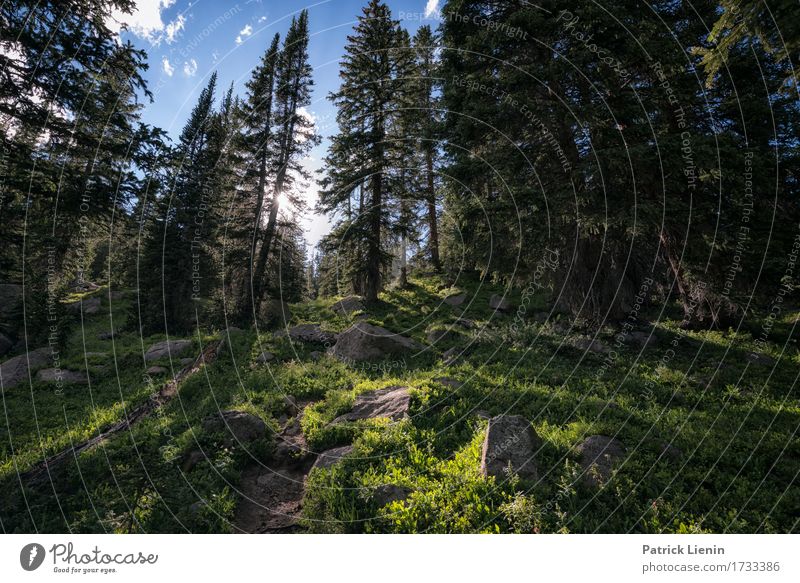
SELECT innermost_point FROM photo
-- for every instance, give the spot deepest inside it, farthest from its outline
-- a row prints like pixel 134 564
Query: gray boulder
pixel 15 370
pixel 455 300
pixel 363 341
pixel 311 333
pixel 62 376
pixel 332 457
pixel 89 306
pixel 156 370
pixel 244 427
pixel 105 336
pixel 440 335
pixel 168 348
pixel 274 313
pixel 347 306
pixel 590 345
pixel 597 456
pixel 500 304
pixel 510 442
pixel 265 357
pixel 639 338
pixel 465 323
pixel 391 402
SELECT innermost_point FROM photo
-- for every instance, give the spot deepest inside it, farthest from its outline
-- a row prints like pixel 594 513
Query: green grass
pixel 735 423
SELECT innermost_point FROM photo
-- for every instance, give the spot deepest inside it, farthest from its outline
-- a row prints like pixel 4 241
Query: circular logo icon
pixel 31 556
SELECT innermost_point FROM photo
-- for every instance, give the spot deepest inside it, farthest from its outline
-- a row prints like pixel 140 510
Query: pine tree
pixel 360 155
pixel 176 264
pixel 294 136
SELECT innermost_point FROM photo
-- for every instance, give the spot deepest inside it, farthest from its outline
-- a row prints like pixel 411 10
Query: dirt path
pixel 273 492
pixel 46 469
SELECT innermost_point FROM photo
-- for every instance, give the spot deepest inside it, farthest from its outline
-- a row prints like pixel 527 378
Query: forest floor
pixel 708 422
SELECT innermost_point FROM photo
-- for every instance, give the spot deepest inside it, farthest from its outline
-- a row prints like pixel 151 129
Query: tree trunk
pixel 373 271
pixel 433 240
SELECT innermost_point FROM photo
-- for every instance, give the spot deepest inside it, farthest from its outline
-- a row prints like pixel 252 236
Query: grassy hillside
pixel 710 431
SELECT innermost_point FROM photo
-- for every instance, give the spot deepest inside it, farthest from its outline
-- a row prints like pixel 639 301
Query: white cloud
pixel 262 19
pixel 168 69
pixel 174 27
pixel 190 68
pixel 432 8
pixel 146 23
pixel 243 34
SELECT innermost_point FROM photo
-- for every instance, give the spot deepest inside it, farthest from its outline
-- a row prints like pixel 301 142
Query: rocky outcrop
pixel 15 370
pixel 391 402
pixel 511 443
pixel 597 456
pixel 244 427
pixel 364 341
pixel 348 306
pixel 265 357
pixel 168 348
pixel 455 300
pixel 500 304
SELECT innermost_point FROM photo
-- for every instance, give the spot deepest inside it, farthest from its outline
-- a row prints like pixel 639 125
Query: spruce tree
pixel 360 155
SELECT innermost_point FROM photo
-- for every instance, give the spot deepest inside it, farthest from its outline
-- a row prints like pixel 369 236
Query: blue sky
pixel 186 41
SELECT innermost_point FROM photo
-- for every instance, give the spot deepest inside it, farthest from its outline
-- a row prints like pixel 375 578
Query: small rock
pixel 391 402
pixel 311 333
pixel 590 345
pixel 598 454
pixel 265 357
pixel 274 313
pixel 388 493
pixel 156 370
pixel 465 323
pixel 290 406
pixel 510 441
pixel 439 335
pixel 15 370
pixel 67 377
pixel 363 341
pixel 88 306
pixel 761 359
pixel 243 426
pixel 670 451
pixel 449 382
pixel 348 306
pixel 640 338
pixel 541 317
pixel 500 304
pixel 192 459
pixel 332 457
pixel 455 299
pixel 451 356
pixel 170 348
